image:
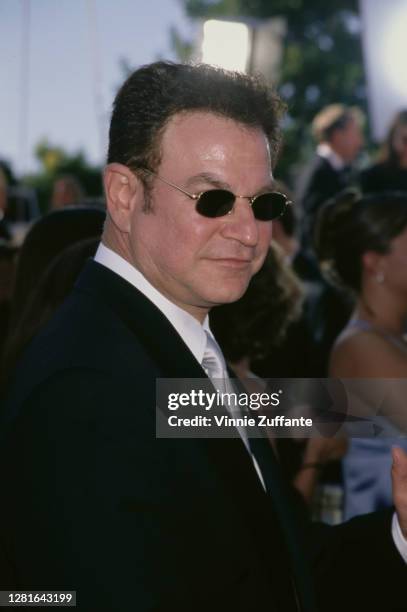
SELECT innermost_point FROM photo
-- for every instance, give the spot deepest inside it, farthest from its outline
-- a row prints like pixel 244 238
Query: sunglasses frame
pixel 197 196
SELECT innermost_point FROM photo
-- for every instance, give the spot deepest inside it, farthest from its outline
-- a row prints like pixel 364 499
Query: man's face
pixel 199 262
pixel 349 140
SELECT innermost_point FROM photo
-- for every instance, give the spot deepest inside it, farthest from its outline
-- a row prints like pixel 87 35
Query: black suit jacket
pixel 319 182
pixel 93 502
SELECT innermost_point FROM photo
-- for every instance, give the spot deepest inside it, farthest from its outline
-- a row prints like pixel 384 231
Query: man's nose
pixel 241 224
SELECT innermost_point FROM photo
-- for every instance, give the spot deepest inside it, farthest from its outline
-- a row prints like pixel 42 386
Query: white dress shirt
pixel 324 150
pixel 193 334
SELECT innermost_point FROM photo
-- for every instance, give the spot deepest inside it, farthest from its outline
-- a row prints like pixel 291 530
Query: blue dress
pixel 367 464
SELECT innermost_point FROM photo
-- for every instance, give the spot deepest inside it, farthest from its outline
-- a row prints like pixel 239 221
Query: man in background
pixel 66 191
pixel 337 129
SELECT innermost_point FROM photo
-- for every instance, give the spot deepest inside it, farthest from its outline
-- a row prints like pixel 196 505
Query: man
pixel 67 191
pixel 337 130
pixel 94 502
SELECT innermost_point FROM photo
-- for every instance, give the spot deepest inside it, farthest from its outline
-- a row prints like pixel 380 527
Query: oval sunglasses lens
pixel 269 206
pixel 215 203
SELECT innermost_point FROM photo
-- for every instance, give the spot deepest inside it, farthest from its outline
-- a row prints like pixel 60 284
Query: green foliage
pixel 54 162
pixel 182 48
pixel 322 60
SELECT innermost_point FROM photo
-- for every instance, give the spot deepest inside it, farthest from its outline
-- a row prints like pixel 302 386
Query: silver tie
pixel 213 363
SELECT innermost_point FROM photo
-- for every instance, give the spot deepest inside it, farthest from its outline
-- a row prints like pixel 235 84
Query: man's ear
pixel 121 189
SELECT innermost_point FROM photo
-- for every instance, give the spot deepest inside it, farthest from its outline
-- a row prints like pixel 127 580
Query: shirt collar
pixel 325 150
pixel 190 330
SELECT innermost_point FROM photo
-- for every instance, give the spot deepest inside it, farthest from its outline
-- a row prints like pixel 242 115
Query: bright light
pixel 384 27
pixel 395 51
pixel 226 44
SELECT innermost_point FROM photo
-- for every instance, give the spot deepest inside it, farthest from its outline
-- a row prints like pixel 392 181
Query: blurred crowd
pixel 330 300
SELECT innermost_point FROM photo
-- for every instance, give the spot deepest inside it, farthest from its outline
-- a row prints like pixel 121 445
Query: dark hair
pixel 45 240
pixel 349 225
pixel 389 154
pixel 257 323
pixel 52 287
pixel 156 92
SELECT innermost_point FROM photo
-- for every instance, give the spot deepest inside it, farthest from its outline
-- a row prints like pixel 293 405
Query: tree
pixel 322 60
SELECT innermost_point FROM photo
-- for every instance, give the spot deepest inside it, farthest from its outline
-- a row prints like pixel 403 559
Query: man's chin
pixel 226 295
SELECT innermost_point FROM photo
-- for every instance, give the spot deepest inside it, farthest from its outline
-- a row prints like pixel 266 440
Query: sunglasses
pixel 218 202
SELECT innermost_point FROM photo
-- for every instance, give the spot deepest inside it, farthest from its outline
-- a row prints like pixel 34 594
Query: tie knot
pixel 213 362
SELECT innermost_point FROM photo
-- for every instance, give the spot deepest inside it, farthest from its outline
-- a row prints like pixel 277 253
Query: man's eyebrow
pixel 206 177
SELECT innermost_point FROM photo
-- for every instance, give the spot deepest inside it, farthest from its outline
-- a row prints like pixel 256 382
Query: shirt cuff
pixel 398 538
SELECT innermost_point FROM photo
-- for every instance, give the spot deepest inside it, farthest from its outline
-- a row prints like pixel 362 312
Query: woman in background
pixel 252 333
pixel 362 245
pixel 391 171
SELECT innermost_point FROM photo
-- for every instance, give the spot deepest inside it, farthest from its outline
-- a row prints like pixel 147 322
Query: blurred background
pixel 62 62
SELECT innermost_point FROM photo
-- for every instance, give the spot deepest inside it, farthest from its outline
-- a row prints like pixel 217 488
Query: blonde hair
pixel 334 117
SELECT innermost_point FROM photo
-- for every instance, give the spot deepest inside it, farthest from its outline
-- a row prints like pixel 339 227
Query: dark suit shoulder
pixel 361 553
pixel 80 336
pixel 86 340
pixel 318 167
pixel 319 182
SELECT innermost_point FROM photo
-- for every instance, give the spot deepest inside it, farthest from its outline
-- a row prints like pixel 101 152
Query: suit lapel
pixel 158 337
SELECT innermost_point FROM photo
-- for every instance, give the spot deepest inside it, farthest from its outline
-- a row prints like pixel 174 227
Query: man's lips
pixel 232 262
